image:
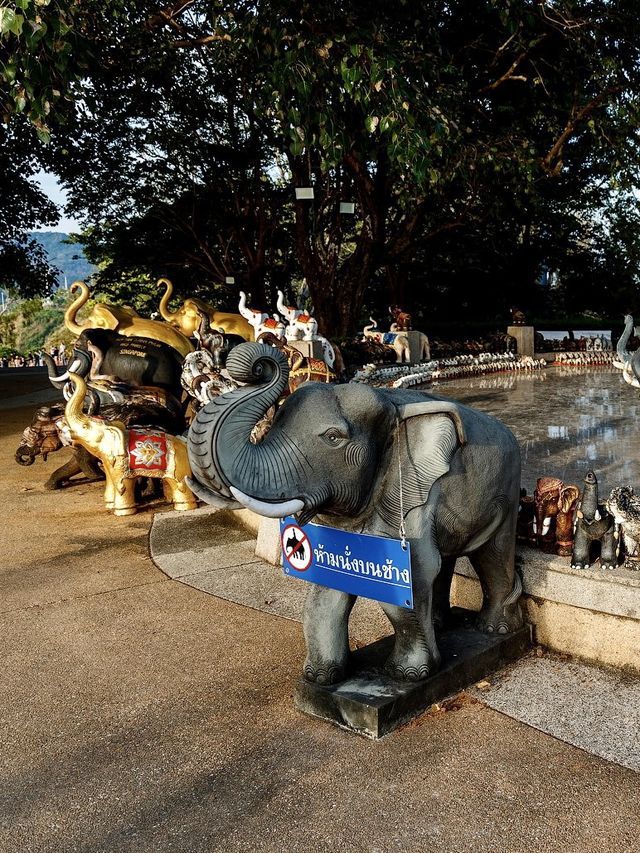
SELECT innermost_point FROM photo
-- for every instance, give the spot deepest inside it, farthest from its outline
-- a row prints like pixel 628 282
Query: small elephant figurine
pixel 624 506
pixel 593 524
pixel 187 319
pixel 395 340
pixel 555 504
pixel 127 454
pixel 526 519
pixel 259 320
pixel 401 320
pixel 375 461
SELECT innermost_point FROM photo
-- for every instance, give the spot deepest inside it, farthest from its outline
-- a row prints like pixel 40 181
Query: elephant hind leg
pixel 442 593
pixel 501 585
pixel 179 494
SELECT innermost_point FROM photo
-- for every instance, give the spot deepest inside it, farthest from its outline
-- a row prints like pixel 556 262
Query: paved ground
pixel 139 714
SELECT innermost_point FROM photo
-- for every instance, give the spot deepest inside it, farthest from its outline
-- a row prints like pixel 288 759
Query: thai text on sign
pixel 369 566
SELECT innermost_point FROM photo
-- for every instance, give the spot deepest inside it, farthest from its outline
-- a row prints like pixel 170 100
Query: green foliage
pixel 43 50
pixel 34 324
pixel 23 264
pixel 478 141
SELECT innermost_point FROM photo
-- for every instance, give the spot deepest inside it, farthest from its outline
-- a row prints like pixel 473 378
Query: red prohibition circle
pixel 301 542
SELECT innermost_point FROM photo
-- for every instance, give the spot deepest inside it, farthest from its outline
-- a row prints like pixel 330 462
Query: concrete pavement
pixel 137 713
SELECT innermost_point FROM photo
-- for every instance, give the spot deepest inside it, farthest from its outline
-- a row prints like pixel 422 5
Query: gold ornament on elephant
pixel 128 454
pixel 122 319
pixel 187 318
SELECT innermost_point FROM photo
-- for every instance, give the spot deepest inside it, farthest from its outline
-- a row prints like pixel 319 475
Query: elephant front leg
pixel 608 555
pixel 581 548
pixel 415 652
pixel 125 498
pixel 326 631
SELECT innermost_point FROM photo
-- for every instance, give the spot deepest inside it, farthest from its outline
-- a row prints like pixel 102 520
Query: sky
pixel 54 191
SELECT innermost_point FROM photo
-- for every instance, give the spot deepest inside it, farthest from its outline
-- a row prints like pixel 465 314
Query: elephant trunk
pixel 70 314
pixel 80 365
pixel 589 503
pixel 264 475
pixel 623 353
pixel 164 309
pixel 81 425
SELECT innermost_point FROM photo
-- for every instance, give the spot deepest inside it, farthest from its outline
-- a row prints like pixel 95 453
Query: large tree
pixel 442 122
pixel 24 207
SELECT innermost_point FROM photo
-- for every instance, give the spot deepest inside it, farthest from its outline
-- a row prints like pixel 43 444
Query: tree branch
pixel 509 73
pixel 198 42
pixel 552 161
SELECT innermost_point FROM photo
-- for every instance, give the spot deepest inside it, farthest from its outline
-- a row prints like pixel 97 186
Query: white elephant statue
pixel 398 341
pixel 259 321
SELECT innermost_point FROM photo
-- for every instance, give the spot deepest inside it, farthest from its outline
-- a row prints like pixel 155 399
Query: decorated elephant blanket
pixel 147 451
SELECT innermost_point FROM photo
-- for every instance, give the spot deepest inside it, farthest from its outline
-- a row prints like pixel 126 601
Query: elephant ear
pixel 427 436
pixel 568 495
pixel 105 319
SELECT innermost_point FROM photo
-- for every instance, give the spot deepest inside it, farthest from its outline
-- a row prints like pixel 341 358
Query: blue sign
pixel 370 566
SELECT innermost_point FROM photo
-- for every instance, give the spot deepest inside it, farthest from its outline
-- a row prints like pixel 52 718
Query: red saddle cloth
pixel 147 450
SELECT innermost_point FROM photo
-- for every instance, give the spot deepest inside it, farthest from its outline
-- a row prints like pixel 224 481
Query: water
pixel 567 421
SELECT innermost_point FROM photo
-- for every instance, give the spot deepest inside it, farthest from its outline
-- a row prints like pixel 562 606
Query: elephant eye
pixel 334 437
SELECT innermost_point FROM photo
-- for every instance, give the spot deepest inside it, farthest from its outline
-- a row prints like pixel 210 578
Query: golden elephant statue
pixel 122 319
pixel 187 318
pixel 128 454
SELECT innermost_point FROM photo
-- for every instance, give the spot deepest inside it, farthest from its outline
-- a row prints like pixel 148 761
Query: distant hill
pixel 66 257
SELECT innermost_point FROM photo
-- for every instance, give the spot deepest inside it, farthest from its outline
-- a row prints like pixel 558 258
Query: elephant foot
pixel 326 673
pixel 414 665
pixel 129 510
pixel 499 620
pixel 52 485
pixel 505 616
pixel 585 565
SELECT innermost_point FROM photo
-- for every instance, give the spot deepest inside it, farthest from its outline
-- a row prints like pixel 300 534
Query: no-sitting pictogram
pixel 296 548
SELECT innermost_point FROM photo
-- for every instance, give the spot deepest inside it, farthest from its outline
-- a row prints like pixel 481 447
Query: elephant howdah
pixel 353 455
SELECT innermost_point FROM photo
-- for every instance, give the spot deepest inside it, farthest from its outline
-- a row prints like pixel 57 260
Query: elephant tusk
pixel 546 524
pixel 64 377
pixel 209 496
pixel 270 510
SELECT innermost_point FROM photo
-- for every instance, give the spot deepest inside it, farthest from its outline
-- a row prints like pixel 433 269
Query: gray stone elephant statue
pixel 352 456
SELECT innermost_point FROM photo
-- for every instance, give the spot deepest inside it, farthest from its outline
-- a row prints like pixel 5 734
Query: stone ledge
pixel 616 592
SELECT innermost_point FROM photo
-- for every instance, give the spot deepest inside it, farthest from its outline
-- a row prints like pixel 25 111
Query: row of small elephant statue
pixel 559 518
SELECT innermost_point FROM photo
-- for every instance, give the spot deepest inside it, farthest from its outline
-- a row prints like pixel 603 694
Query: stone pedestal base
pixel 310 349
pixel 268 546
pixel 524 336
pixel 372 704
